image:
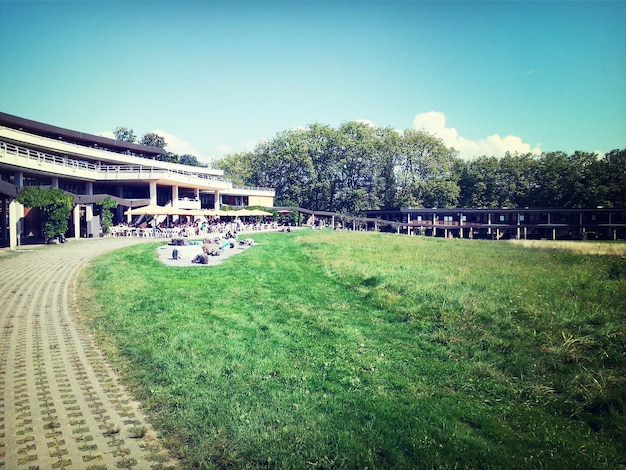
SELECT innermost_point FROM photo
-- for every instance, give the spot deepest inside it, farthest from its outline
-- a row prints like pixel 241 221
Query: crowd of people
pixel 187 227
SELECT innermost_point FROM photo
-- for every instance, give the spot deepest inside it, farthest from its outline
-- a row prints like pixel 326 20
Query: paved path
pixel 61 405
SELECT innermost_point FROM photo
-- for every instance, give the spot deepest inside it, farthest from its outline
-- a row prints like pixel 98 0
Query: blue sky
pixel 215 77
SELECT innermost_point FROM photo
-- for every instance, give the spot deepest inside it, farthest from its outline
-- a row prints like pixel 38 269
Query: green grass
pixel 325 349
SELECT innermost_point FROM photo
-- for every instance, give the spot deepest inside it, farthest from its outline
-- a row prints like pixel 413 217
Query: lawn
pixel 322 349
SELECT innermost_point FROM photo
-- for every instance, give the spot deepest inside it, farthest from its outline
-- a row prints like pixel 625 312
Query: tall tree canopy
pixel 153 140
pixel 358 167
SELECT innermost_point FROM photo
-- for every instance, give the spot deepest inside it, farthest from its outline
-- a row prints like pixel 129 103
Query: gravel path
pixel 61 404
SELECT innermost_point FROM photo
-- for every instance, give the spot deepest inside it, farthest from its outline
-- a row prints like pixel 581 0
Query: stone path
pixel 61 405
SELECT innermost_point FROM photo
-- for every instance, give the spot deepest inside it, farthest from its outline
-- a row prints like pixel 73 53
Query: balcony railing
pixel 70 163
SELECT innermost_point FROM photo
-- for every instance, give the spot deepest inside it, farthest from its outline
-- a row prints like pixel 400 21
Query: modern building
pixel 92 168
pixel 519 223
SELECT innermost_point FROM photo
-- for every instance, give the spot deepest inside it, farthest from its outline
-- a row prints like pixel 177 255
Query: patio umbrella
pixel 263 213
pixel 192 212
pixel 149 210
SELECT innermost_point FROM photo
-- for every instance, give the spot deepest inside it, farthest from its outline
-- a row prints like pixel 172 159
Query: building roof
pixel 89 140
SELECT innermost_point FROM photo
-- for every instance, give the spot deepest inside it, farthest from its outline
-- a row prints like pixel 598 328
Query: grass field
pixel 324 349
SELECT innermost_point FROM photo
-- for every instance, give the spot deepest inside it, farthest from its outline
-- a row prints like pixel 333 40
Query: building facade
pixel 92 168
pixel 519 223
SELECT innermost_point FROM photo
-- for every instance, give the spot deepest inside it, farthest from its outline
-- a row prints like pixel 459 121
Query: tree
pixel 168 157
pixel 479 183
pixel 55 205
pixel 239 167
pixel 153 140
pixel 190 160
pixel 106 216
pixel 517 177
pixel 283 163
pixel 422 159
pixel 611 177
pixel 124 134
pixel 357 187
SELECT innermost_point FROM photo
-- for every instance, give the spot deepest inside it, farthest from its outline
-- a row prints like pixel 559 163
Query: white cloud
pixel 434 122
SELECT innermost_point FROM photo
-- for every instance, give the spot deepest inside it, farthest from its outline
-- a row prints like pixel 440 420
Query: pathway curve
pixel 61 404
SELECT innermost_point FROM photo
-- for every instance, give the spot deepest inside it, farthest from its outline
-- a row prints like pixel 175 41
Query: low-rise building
pixel 92 168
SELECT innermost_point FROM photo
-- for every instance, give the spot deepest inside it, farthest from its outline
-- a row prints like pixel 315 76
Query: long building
pixel 521 223
pixel 92 168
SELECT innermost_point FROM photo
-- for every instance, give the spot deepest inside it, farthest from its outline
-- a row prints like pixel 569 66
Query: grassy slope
pixel 337 349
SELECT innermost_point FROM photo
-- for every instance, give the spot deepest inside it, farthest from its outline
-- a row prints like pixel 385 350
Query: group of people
pixel 215 246
pixel 186 227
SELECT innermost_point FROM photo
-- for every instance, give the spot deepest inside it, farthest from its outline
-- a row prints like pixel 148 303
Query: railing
pixel 67 162
pixel 252 188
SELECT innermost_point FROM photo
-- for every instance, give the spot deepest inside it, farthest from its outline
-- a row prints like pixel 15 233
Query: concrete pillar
pixel 19 209
pixel 76 221
pixel 216 202
pixel 153 193
pixel 15 208
pixel 89 188
pixel 55 183
pixel 89 218
pixel 175 196
pixel 461 221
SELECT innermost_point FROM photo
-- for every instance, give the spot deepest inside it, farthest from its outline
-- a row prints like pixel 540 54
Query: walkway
pixel 61 404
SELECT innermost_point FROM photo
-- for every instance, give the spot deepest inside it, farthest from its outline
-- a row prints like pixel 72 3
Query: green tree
pixel 168 157
pixel 321 144
pixel 124 134
pixel 387 141
pixel 610 174
pixel 357 187
pixel 480 184
pixel 106 215
pixel 421 160
pixel 238 167
pixel 190 160
pixel 55 206
pixel 517 177
pixel 284 164
pixel 153 140
pixel 561 180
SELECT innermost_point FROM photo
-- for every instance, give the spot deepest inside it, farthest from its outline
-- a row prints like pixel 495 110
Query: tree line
pixel 358 167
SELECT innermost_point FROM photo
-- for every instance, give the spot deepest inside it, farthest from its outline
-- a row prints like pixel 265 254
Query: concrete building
pixel 519 223
pixel 92 168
